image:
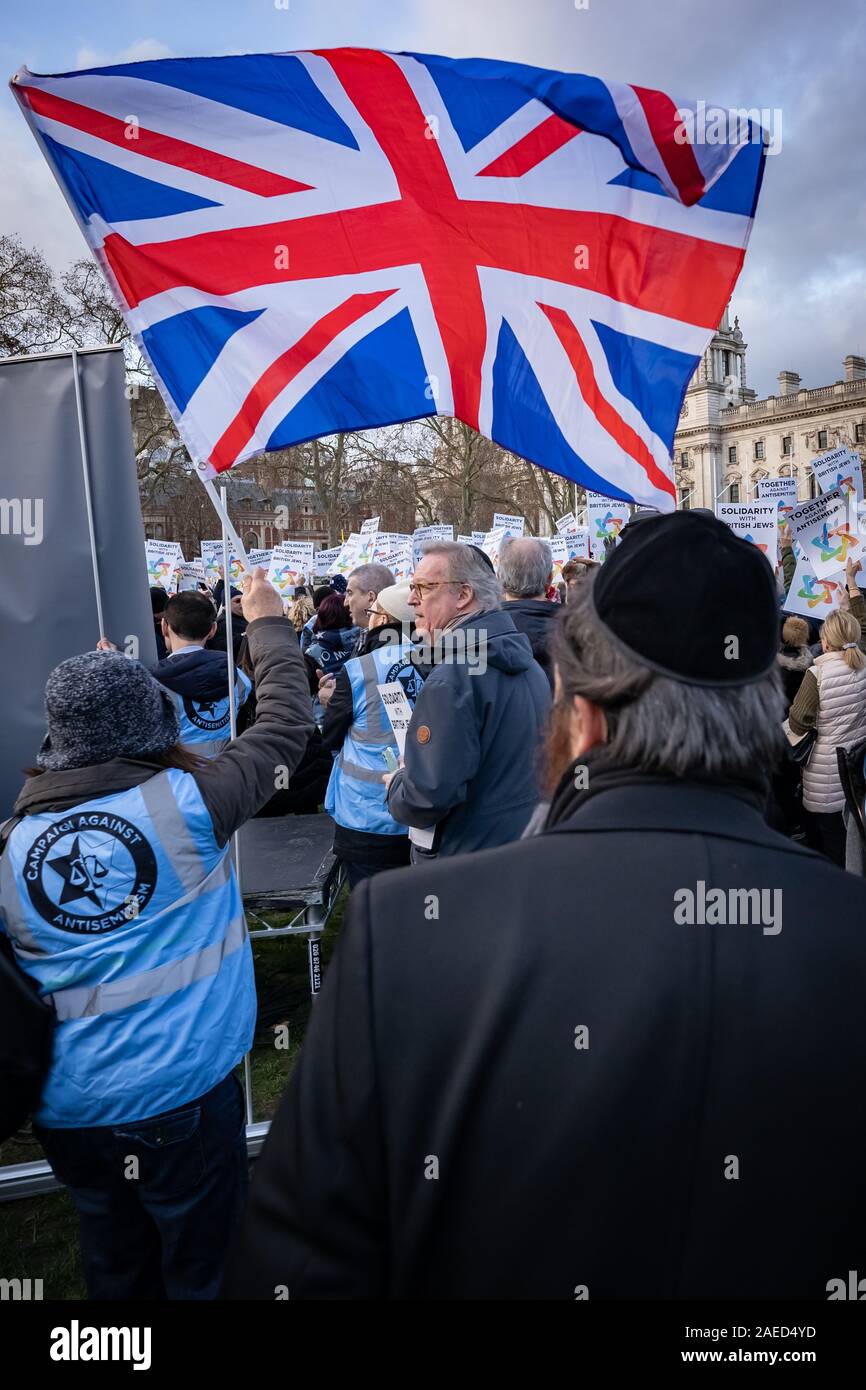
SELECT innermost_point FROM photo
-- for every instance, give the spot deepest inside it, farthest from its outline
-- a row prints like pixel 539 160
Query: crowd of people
pixel 528 1074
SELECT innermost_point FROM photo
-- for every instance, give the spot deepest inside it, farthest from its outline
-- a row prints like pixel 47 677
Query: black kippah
pixel 678 590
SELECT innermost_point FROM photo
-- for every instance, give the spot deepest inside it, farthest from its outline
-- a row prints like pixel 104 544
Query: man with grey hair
pixel 363 584
pixel 469 778
pixel 629 1050
pixel 525 572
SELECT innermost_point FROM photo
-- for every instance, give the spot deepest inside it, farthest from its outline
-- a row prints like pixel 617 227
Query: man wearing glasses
pixel 469 776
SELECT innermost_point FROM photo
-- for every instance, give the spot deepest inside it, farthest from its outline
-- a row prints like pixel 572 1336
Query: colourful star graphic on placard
pixel 760 545
pixel 828 550
pixel 817 591
pixel 608 525
pixel 846 540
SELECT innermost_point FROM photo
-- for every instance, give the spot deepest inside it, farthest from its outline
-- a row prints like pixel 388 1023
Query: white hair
pixel 525 565
pixel 466 565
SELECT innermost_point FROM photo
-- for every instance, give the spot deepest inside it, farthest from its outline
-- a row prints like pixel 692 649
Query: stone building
pixel 182 512
pixel 728 440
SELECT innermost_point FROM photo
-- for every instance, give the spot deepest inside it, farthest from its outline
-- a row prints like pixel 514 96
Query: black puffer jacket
pixel 536 617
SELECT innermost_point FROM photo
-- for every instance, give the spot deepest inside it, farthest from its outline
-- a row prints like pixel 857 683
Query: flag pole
pixel 228 532
pixel 88 498
pixel 227 605
pixel 219 503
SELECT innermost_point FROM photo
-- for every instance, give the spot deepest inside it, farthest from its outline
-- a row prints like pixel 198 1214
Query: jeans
pixel 158 1200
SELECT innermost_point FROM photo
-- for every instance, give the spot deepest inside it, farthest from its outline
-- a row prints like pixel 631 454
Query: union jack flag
pixel 303 243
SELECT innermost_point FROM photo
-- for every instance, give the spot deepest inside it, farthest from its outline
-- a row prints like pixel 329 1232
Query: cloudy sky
pixel 802 296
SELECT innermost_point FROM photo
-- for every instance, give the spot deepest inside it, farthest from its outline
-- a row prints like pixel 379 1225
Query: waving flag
pixel 312 242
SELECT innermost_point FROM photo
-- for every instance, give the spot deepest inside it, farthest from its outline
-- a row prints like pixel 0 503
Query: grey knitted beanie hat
pixel 102 705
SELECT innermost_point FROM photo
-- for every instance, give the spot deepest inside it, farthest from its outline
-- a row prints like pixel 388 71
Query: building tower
pixel 719 381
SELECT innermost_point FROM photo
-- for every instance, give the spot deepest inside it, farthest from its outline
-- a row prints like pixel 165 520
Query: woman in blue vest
pixel 367 839
pixel 119 897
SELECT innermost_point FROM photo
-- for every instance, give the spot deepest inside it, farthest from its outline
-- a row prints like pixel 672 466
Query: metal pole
pixel 233 722
pixel 227 604
pixel 88 500
pixel 219 503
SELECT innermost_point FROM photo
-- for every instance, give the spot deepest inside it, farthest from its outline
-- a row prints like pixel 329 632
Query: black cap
pixel 679 590
pixel 482 555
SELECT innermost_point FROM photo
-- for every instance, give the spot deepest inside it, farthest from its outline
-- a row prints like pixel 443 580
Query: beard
pixel 558 754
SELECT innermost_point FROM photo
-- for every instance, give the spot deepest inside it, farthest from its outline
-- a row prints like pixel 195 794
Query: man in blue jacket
pixel 197 678
pixel 470 779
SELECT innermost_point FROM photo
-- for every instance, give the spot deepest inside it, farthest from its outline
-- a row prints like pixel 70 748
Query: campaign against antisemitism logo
pixel 817 592
pixel 90 872
pixel 203 713
pixel 410 679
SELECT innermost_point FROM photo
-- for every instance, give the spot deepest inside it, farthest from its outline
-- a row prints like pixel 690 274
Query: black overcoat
pixel 453 1132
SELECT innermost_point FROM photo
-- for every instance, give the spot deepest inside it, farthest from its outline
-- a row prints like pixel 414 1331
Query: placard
pixel 606 519
pixel 823 530
pixel 398 710
pixel 511 525
pixel 840 468
pixel 162 559
pixel 757 522
pixel 290 564
pixel 191 576
pixel 323 559
pixel 559 555
pixel 212 559
pixel 347 557
pixel 577 543
pixel 813 597
pixel 422 534
pixel 492 544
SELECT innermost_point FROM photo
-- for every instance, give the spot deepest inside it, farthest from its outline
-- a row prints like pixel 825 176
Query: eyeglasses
pixel 423 586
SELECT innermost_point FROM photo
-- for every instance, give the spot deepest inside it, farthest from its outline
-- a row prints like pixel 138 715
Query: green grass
pixel 39 1236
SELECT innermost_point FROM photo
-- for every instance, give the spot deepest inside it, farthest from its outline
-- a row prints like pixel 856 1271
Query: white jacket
pixel 841 720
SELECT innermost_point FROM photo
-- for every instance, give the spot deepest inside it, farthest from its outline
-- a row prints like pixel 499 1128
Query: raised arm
pixel 239 781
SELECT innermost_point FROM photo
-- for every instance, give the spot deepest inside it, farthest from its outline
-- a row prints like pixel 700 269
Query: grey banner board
pixel 47 591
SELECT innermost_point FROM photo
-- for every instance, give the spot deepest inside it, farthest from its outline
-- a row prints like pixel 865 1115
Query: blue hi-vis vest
pixel 206 725
pixel 356 793
pixel 128 915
